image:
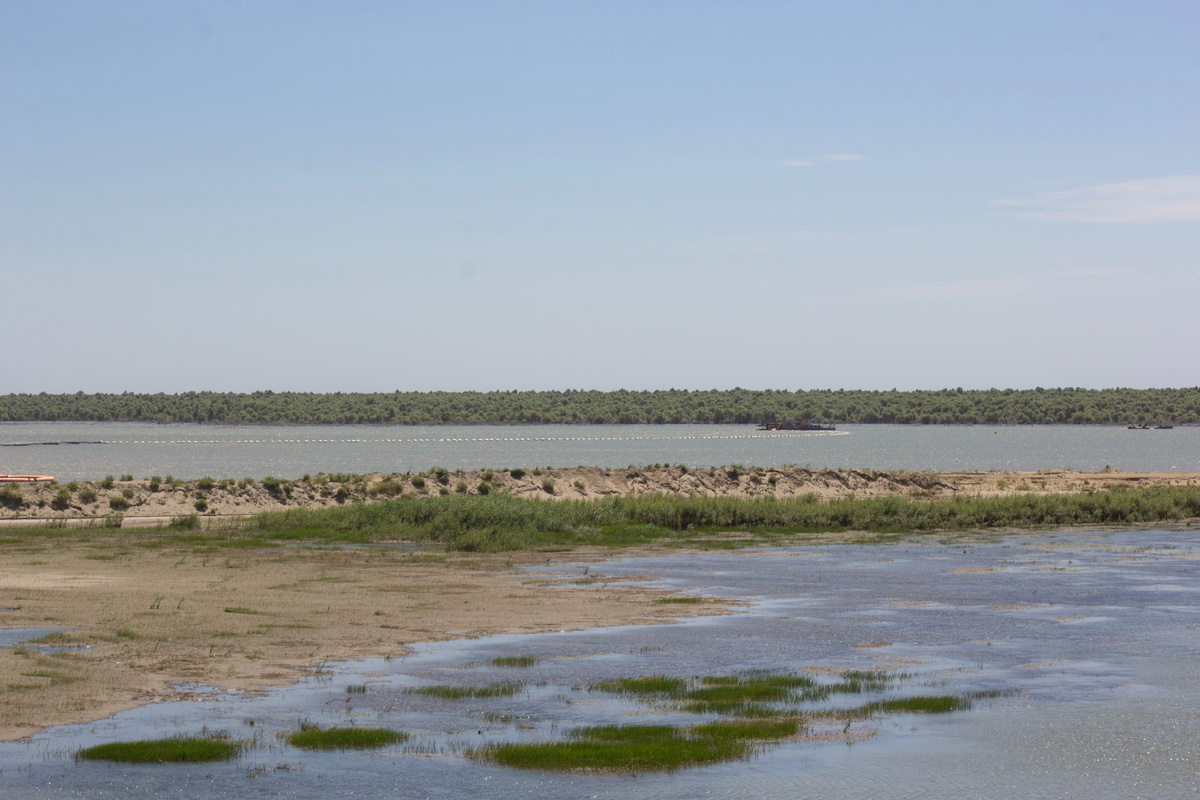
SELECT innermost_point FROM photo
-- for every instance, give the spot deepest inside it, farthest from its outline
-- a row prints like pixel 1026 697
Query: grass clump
pixel 650 685
pixel 513 661
pixel 345 738
pixel 10 498
pixel 922 704
pixel 642 748
pixel 727 695
pixel 62 500
pixel 469 692
pixel 172 750
pixel 186 522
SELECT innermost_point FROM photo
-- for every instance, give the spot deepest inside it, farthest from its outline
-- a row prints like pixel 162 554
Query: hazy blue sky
pixel 446 195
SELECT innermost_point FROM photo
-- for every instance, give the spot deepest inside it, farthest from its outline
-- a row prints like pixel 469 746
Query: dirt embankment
pixel 140 499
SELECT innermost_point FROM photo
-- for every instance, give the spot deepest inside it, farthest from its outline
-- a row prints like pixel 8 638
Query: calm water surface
pixel 1094 636
pixel 192 451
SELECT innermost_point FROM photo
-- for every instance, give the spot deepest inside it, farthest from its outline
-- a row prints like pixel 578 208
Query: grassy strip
pixel 749 695
pixel 513 661
pixel 173 750
pixel 499 522
pixel 636 748
pixel 469 692
pixel 939 704
pixel 344 738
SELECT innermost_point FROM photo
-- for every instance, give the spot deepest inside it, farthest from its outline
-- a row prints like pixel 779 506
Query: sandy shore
pixel 137 500
pixel 152 616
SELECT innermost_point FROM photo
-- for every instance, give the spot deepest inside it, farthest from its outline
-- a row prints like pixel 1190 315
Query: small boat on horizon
pixel 794 425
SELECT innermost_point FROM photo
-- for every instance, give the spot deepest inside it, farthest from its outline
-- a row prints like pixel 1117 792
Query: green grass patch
pixel 665 601
pixel 643 748
pixel 659 685
pixel 759 730
pixel 726 695
pixel 513 661
pixel 172 750
pixel 345 738
pixel 925 704
pixel 859 681
pixel 469 692
pixel 500 522
pixel 744 695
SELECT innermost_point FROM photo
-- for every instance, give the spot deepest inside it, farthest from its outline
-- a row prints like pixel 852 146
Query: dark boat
pixel 794 425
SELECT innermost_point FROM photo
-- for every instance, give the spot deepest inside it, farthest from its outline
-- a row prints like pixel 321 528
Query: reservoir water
pixel 192 451
pixel 1089 639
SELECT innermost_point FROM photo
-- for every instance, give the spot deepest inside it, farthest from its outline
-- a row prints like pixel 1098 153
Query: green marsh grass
pixel 726 695
pixel 469 692
pixel 344 738
pixel 924 704
pixel 652 685
pixel 513 661
pixel 649 748
pixel 632 748
pixel 172 750
pixel 500 522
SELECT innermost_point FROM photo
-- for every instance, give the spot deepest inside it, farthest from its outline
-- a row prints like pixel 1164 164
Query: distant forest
pixel 743 406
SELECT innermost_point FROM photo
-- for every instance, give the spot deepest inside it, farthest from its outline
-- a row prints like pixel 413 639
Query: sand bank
pixel 156 617
pixel 137 499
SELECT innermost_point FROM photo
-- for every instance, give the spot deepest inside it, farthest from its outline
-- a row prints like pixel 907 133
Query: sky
pixel 380 196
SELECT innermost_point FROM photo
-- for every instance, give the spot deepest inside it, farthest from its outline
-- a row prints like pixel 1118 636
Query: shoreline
pixel 94 502
pixel 147 624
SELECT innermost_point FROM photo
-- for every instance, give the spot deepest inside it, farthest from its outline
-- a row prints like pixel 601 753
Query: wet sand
pixel 156 617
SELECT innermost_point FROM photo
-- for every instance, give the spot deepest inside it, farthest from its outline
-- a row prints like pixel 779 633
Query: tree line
pixel 1039 406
